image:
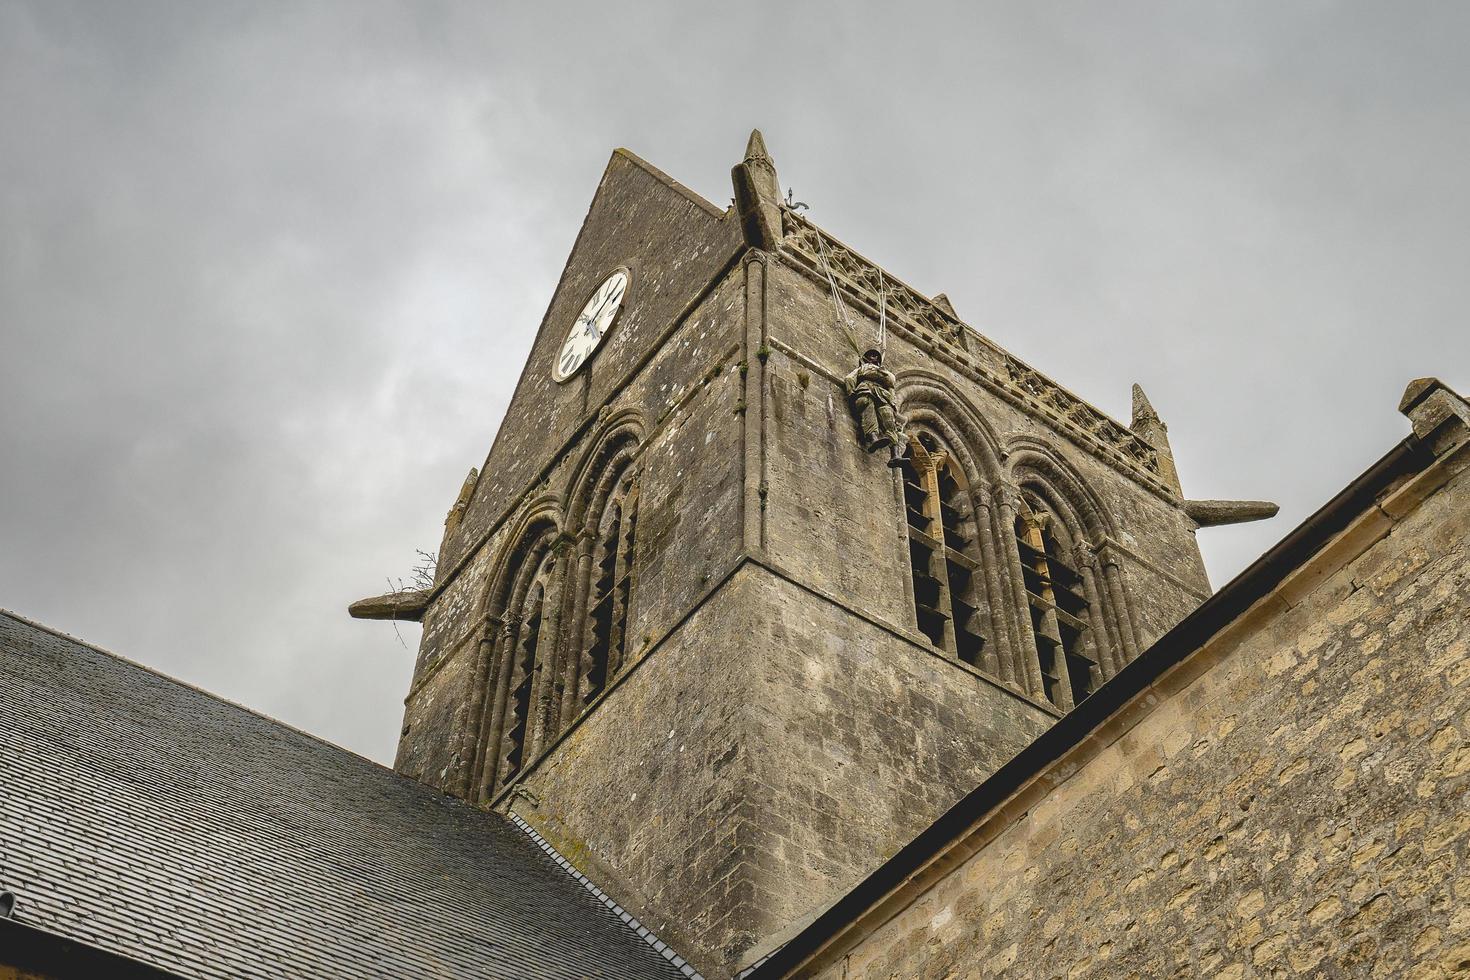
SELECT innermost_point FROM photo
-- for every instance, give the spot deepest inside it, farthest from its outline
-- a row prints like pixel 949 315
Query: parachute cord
pixel 843 320
pixel 882 314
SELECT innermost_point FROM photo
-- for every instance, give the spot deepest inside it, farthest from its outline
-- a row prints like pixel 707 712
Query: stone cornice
pixel 917 317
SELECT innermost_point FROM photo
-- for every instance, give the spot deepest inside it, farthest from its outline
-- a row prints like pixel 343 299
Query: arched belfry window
pixel 1057 598
pixel 523 673
pixel 944 550
pixel 523 662
pixel 610 590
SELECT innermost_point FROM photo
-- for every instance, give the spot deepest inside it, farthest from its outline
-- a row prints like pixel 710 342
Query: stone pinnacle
pixel 755 148
pixel 1143 411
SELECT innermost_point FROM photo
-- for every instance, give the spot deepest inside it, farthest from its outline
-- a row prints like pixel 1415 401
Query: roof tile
pixel 160 822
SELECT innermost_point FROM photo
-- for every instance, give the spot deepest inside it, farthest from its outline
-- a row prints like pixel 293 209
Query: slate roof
pixel 154 820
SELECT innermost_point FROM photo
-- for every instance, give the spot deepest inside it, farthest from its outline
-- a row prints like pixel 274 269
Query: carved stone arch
pixel 925 395
pixel 1031 462
pixel 534 518
pixel 526 564
pixel 1096 585
pixel 924 420
pixel 527 570
pixel 616 471
pixel 603 516
pixel 950 530
pixel 620 434
pixel 522 680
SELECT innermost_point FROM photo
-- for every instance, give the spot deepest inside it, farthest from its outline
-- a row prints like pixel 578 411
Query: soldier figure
pixel 870 395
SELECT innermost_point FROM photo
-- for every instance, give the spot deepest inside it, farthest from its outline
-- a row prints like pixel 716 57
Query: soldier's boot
pixel 897 451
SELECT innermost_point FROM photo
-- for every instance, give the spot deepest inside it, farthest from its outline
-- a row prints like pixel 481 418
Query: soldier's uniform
pixel 870 393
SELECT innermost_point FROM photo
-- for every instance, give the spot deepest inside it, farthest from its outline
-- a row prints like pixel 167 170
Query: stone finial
pixel 755 149
pixel 1212 513
pixel 1441 417
pixel 945 306
pixel 758 194
pixel 1143 410
pixel 1151 429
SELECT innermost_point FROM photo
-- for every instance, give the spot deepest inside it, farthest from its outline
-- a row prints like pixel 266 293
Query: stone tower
pixel 718 652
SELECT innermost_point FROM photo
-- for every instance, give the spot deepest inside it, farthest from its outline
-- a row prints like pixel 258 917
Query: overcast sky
pixel 268 271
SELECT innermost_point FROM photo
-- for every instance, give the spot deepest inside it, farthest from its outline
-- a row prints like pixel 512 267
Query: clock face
pixel 591 325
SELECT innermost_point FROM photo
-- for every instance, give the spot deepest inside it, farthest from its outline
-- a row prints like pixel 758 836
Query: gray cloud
pixel 268 272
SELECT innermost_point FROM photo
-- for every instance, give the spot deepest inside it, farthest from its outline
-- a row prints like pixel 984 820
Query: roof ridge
pixel 195 688
pixel 694 196
pixel 628 919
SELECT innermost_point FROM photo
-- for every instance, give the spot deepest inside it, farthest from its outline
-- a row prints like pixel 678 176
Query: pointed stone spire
pixel 1143 410
pixel 758 194
pixel 755 149
pixel 1151 429
pixel 945 306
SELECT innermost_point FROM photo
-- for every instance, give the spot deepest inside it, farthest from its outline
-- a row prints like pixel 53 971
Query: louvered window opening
pixel 943 553
pixel 1055 595
pixel 523 676
pixel 611 591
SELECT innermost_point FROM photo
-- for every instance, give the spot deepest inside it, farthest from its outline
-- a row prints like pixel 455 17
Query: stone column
pixel 997 656
pixel 1107 646
pixel 1049 628
pixel 904 539
pixel 940 568
pixel 617 635
pixel 1112 577
pixel 488 766
pixel 540 725
pixel 472 729
pixel 571 699
pixel 1028 665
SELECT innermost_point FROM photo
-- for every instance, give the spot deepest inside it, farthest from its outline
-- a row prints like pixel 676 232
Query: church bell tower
pixel 730 612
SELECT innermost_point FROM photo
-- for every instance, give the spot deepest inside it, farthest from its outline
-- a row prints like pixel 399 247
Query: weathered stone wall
pixel 1295 805
pixel 685 397
pixel 833 511
pixel 650 793
pixel 675 244
pixel 831 514
pixel 782 733
pixel 760 760
pixel 860 739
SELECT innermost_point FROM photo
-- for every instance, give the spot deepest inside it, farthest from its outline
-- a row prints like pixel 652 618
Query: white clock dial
pixel 591 325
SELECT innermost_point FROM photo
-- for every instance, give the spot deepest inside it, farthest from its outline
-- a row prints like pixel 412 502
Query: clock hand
pixel 591 324
pixel 589 320
pixel 613 296
pixel 598 312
